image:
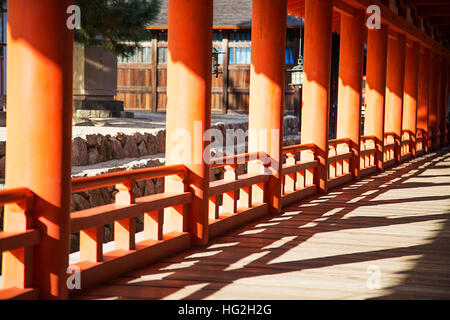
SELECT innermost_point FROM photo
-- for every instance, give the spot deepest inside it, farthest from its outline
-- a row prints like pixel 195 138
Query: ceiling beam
pixel 424 2
pixel 444 21
pixel 401 25
pixel 343 8
pixel 433 11
pixel 444 29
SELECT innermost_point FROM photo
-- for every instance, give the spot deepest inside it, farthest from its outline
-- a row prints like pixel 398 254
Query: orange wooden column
pixel 189 110
pixel 410 91
pixel 267 91
pixel 350 84
pixel 444 103
pixel 424 86
pixel 432 111
pixel 439 100
pixel 316 87
pixel 377 43
pixel 394 89
pixel 39 129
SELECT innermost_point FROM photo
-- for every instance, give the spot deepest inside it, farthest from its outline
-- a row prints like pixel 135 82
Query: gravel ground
pixel 142 122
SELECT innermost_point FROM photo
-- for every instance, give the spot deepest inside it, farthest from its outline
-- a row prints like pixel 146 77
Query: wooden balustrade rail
pixel 298 175
pixel 333 143
pixel 339 161
pixel 407 144
pixel 390 144
pixel 234 200
pixel 368 155
pixel 105 180
pixel 18 240
pixel 97 265
pixel 421 140
pixel 237 198
pixel 237 159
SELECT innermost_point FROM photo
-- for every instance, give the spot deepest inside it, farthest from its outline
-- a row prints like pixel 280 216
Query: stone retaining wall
pixel 97 148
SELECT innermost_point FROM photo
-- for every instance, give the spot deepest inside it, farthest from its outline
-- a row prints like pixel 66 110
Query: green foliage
pixel 117 25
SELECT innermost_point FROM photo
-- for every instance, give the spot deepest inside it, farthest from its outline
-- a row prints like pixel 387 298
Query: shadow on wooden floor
pixel 255 250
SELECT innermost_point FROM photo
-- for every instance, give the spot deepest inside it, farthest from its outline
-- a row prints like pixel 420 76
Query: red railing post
pixel 290 179
pixel 124 230
pixel 17 266
pixel 229 201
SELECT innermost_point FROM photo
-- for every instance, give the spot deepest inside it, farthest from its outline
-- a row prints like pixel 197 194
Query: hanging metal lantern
pixel 297 74
pixel 215 62
pixel 297 71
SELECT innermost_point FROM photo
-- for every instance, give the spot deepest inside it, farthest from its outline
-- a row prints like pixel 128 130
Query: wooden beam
pixel 424 2
pixel 342 7
pixel 433 11
pixel 439 21
pixel 401 25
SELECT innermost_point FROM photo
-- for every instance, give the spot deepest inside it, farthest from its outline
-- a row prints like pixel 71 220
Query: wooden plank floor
pixel 385 237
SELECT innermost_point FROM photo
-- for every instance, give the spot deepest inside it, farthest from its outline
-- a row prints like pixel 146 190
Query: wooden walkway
pixel 385 237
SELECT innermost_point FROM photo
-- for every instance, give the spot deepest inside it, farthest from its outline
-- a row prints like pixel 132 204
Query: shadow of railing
pixel 252 251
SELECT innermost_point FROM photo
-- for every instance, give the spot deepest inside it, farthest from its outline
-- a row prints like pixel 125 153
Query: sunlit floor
pixel 387 236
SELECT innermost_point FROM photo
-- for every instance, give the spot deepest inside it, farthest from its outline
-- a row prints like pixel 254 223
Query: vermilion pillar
pixel 316 87
pixel 432 110
pixel 377 43
pixel 410 91
pixel 394 89
pixel 189 109
pixel 350 84
pixel 439 100
pixel 444 92
pixel 267 90
pixel 424 86
pixel 39 129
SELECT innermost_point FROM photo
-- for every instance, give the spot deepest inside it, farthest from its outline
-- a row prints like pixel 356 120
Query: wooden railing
pixel 389 148
pixel 96 265
pixel 407 144
pixel 432 137
pixel 421 141
pixel 17 242
pixel 339 159
pixel 368 155
pixel 233 201
pixel 298 174
pixel 237 199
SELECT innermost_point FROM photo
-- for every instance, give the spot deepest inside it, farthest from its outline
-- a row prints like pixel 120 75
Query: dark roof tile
pixel 227 13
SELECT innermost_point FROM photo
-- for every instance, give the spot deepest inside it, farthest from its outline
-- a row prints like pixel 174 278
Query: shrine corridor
pixel 384 237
